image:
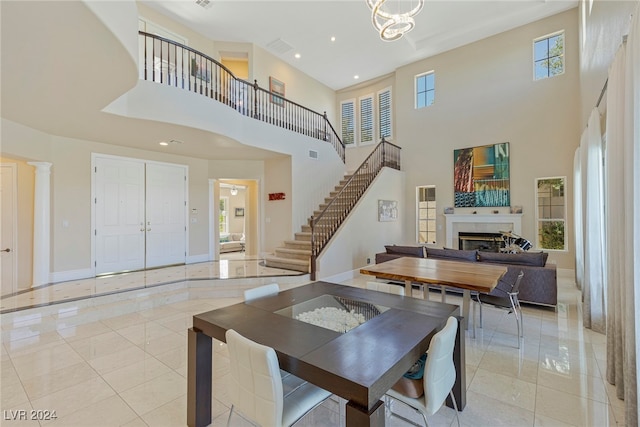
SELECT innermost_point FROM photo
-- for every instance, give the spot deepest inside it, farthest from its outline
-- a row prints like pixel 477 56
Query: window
pixel 426 214
pixel 425 89
pixel 348 119
pixel 551 212
pixel 224 215
pixel 366 120
pixel 384 113
pixel 548 56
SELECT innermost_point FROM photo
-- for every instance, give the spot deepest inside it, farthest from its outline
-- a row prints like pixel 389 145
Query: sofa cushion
pixel 414 251
pixel 534 259
pixel 452 254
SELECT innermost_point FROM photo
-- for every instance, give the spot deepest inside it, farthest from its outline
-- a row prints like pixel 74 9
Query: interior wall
pixel 24 250
pixel 278 221
pixel 71 190
pixel 485 94
pixel 362 235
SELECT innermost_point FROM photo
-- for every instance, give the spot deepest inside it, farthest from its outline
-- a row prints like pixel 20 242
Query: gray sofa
pixel 539 284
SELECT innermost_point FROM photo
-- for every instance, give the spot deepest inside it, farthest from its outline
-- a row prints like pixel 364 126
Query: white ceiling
pixel 308 25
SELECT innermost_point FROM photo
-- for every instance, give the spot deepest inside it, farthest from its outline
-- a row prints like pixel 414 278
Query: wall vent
pixel 313 154
pixel 206 4
pixel 279 46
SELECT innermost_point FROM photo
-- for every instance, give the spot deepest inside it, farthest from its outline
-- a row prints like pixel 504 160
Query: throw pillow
pixel 452 254
pixel 524 258
pixel 414 251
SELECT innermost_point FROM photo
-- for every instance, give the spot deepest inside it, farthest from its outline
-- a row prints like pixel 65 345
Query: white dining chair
pixel 439 375
pixel 256 388
pixel 261 291
pixel 385 287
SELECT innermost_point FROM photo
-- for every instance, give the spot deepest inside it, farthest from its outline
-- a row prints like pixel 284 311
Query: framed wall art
pixel 481 176
pixel 387 210
pixel 276 87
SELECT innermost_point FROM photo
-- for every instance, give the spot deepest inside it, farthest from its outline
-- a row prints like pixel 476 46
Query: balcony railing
pixel 167 62
pixel 327 222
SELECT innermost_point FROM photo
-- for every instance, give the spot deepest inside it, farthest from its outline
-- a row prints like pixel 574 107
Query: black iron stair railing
pixel 326 223
pixel 168 62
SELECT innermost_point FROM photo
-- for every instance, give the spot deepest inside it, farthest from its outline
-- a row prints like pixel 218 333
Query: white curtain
pixel 623 221
pixel 591 171
pixel 577 219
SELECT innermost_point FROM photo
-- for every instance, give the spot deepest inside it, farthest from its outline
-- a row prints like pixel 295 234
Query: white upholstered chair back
pixel 255 385
pixel 261 291
pixel 385 287
pixel 439 370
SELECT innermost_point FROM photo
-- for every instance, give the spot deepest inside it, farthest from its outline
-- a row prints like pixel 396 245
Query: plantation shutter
pixel 384 113
pixel 366 120
pixel 348 122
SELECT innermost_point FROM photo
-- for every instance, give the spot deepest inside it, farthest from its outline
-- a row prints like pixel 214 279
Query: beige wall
pixel 71 190
pixel 278 222
pixel 485 94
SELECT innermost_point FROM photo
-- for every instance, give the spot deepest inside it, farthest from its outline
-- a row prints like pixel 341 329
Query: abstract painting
pixel 481 176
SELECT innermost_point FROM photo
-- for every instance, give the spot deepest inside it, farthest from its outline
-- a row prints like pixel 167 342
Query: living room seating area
pixel 539 284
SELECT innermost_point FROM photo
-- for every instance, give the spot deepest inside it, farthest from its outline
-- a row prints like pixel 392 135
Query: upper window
pixel 551 213
pixel 548 56
pixel 425 89
pixel 348 121
pixel 366 120
pixel 384 113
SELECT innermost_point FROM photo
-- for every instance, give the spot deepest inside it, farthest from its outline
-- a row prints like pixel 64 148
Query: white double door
pixel 140 214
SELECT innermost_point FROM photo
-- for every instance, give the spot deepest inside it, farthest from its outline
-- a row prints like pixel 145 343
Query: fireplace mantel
pixel 486 223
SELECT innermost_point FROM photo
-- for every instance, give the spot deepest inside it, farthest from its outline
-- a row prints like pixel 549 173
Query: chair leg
pixel 229 419
pixel 516 313
pixel 455 406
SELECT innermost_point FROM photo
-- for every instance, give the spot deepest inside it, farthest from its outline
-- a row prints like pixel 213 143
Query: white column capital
pixel 41 166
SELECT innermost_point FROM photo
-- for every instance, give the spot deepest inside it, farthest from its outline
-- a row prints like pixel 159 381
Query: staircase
pixel 302 253
pixel 296 254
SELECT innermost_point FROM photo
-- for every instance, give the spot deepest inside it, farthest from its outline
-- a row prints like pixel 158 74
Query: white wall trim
pixel 65 276
pixel 340 277
pixel 192 259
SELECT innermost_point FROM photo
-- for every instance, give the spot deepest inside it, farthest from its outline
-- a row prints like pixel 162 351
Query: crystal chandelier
pixel 392 24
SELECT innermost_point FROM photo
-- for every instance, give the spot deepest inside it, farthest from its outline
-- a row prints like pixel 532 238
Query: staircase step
pixel 306 229
pixel 289 253
pixel 287 263
pixel 298 244
pixel 303 236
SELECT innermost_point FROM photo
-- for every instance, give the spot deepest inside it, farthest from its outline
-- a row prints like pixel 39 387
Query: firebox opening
pixel 487 242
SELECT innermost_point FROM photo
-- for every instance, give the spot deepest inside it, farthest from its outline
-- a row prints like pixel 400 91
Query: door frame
pixel 14 223
pixel 95 156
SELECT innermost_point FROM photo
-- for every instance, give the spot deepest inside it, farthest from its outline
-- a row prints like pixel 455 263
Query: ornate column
pixel 41 223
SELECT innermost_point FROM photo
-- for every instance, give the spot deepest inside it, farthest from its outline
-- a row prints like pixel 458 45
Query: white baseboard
pixel 192 259
pixel 65 276
pixel 341 277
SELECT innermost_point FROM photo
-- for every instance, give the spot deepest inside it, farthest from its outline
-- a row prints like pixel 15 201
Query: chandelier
pixel 233 191
pixel 392 24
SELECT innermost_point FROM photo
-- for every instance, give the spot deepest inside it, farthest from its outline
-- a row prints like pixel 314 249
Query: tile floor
pixel 120 359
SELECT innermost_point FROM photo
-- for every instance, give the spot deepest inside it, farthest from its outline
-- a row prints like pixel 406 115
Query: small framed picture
pixel 387 210
pixel 239 212
pixel 277 88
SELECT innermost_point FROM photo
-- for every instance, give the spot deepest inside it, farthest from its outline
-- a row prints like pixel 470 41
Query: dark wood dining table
pixel 468 276
pixel 359 365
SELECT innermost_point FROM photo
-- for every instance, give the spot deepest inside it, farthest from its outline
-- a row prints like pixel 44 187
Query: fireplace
pixel 480 223
pixel 487 242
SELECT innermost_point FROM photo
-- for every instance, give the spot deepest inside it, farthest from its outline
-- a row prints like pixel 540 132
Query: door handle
pixel 149 229
pixel 6 250
pixel 142 229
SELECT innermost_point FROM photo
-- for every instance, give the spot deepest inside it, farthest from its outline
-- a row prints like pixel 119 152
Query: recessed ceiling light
pixel 356 77
pixel 164 143
pixel 333 38
pixel 297 56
